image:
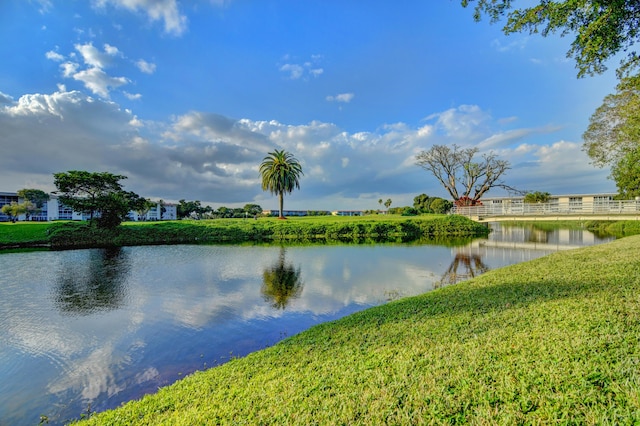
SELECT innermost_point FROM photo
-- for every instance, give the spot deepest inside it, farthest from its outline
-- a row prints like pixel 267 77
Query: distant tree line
pixel 195 210
pixel 101 196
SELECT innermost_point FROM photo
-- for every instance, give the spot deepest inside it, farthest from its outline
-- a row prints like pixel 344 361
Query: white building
pixel 55 210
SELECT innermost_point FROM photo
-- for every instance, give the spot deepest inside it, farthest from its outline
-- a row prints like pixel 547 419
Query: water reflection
pixel 96 283
pixel 281 282
pixel 464 266
pixel 100 327
pixel 537 235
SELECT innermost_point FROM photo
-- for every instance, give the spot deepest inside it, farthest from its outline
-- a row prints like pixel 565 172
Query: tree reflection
pixel 536 235
pixel 98 285
pixel 281 282
pixel 463 267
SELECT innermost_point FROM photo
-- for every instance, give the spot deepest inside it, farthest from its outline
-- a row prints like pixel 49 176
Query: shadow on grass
pixel 583 274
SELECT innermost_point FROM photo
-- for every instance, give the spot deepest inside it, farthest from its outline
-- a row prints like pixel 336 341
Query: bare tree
pixel 464 179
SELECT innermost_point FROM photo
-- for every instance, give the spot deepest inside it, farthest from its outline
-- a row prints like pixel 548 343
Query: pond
pixel 85 330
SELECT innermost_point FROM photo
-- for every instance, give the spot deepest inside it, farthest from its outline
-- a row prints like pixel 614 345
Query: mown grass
pixel 551 341
pixel 24 233
pixel 374 228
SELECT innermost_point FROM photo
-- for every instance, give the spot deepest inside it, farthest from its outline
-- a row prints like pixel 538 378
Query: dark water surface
pixel 86 330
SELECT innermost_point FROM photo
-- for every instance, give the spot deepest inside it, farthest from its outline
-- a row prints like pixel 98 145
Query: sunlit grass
pixel 551 341
pixel 23 232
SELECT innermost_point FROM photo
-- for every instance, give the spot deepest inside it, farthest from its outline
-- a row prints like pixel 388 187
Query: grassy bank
pixel 554 340
pixel 617 228
pixel 376 228
pixel 24 234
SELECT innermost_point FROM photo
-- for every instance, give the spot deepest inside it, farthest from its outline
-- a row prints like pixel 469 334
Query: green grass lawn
pixel 24 232
pixel 551 341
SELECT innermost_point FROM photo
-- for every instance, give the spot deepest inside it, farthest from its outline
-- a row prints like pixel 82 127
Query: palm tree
pixel 280 173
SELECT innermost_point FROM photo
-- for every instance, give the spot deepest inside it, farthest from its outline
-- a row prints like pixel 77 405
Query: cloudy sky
pixel 185 98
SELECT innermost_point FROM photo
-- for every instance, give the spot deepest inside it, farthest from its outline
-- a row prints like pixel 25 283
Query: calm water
pixel 85 330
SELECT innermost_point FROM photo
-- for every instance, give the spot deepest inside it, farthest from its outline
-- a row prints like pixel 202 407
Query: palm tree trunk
pixel 281 202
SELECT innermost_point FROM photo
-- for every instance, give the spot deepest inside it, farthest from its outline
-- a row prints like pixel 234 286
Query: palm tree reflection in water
pixel 463 267
pixel 281 282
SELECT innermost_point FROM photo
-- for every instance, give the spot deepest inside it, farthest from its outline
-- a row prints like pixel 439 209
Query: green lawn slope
pixel 551 341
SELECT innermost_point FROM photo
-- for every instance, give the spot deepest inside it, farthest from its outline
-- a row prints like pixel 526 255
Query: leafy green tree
pixel 13 209
pixel 396 210
pixel 142 207
pixel 252 209
pixel 36 197
pixel 280 172
pixel 96 194
pixel 409 211
pixel 626 174
pixel 137 203
pixel 536 197
pixel 462 176
pixel 613 136
pixel 602 28
pixel 191 208
pixel 440 205
pixel 387 203
pixel 83 191
pixel 114 209
pixel 614 128
pixel 421 203
pixel 224 212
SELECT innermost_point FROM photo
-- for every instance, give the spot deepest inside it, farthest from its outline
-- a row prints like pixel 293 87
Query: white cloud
pixel 559 168
pixel 166 11
pixel 503 138
pixel 92 75
pixel 69 69
pixel 294 71
pixel 342 97
pixel 213 158
pixel 461 124
pixel 5 99
pixel 45 6
pixel 54 56
pixel 98 81
pixel 514 44
pixel 132 96
pixel 146 67
pixel 94 57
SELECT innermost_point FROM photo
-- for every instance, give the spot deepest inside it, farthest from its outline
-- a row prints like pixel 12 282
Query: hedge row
pixel 74 235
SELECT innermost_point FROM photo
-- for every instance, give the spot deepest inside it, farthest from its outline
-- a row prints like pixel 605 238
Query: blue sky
pixel 187 97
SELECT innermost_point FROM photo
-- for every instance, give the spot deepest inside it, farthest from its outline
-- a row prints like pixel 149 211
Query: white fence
pixel 607 207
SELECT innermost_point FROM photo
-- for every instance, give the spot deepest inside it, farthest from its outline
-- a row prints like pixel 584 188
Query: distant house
pixel 560 202
pixel 165 211
pixel 55 210
pixel 7 198
pixel 348 213
pixel 287 212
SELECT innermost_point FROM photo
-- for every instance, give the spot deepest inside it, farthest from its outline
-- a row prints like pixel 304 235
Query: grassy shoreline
pixel 553 340
pixel 63 235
